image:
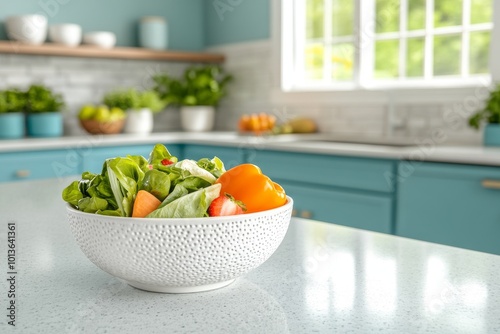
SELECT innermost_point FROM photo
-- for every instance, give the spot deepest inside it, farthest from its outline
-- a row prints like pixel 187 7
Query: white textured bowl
pixel 29 29
pixel 180 255
pixel 67 34
pixel 103 39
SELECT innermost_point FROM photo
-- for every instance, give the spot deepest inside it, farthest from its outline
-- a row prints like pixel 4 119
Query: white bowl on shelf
pixel 28 29
pixel 103 39
pixel 67 34
pixel 180 255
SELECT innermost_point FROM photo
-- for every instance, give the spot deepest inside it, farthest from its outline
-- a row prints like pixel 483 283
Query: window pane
pixel 415 57
pixel 447 13
pixel 387 19
pixel 481 11
pixel 479 52
pixel 314 56
pixel 342 17
pixel 387 59
pixel 314 19
pixel 447 55
pixel 342 61
pixel 416 14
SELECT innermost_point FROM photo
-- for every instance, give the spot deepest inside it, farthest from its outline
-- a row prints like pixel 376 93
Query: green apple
pixel 102 114
pixel 87 112
pixel 116 114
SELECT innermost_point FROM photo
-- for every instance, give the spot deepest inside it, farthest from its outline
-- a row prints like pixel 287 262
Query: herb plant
pixel 490 113
pixel 199 86
pixel 12 100
pixel 127 99
pixel 41 99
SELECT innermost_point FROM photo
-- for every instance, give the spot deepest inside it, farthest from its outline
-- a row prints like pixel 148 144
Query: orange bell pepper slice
pixel 258 192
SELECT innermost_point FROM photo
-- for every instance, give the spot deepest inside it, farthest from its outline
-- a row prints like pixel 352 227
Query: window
pixel 349 44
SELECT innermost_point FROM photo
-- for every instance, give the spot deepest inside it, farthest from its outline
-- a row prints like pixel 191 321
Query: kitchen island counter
pixel 323 278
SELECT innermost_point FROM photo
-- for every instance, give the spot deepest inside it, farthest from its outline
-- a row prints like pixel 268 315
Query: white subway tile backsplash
pixel 252 65
pixel 19 80
pixel 86 80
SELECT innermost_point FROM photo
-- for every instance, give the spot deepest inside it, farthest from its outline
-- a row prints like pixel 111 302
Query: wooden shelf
pixel 87 51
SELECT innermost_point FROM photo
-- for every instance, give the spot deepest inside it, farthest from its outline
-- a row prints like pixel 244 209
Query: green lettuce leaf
pixel 92 204
pixel 192 167
pixel 157 183
pixel 214 166
pixel 159 153
pixel 192 205
pixel 124 175
pixel 72 193
pixel 178 192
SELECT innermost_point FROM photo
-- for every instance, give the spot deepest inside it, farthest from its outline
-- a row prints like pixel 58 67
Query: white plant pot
pixel 197 118
pixel 139 121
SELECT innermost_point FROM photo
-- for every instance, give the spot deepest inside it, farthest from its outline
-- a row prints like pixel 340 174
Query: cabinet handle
pixel 491 184
pixel 306 214
pixel 23 173
pixel 294 212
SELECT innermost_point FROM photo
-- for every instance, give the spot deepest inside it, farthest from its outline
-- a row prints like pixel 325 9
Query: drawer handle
pixel 294 212
pixel 491 184
pixel 306 214
pixel 23 173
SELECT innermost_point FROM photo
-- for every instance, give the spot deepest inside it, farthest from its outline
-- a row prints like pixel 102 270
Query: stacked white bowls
pixel 29 29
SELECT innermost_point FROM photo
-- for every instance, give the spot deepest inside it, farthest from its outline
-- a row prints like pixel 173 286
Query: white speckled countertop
pixel 424 150
pixel 322 279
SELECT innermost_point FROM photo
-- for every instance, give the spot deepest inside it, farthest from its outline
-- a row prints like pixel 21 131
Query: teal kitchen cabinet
pixel 19 166
pixel 456 205
pixel 328 170
pixel 231 156
pixel 341 190
pixel 93 158
pixel 369 212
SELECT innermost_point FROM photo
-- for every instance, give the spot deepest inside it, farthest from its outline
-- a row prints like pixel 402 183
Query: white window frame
pixel 443 90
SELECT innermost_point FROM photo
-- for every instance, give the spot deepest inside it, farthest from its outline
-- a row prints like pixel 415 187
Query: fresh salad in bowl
pixel 164 187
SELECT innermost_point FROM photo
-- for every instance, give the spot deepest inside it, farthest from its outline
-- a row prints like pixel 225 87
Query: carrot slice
pixel 144 204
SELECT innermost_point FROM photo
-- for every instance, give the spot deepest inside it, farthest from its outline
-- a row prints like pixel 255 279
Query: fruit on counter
pixel 101 113
pixel 302 125
pixel 247 184
pixel 256 122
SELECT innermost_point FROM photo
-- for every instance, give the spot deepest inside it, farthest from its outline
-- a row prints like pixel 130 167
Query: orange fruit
pixel 254 123
pixel 244 123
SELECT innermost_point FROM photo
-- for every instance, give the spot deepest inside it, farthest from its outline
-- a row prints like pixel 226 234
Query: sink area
pixel 331 138
pixel 361 142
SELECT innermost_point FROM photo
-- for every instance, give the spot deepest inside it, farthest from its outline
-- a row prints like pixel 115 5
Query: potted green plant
pixel 12 105
pixel 44 112
pixel 197 92
pixel 140 107
pixel 490 115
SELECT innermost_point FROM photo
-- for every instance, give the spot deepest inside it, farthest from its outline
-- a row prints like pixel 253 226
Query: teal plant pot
pixel 12 125
pixel 49 124
pixel 492 135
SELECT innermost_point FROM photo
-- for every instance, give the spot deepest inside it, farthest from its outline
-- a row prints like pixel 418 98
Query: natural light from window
pixel 351 44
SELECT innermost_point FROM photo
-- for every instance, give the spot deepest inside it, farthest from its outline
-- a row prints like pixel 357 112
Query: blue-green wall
pixel 246 21
pixel 186 18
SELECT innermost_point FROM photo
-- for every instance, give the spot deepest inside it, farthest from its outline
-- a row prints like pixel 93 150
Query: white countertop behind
pixel 295 143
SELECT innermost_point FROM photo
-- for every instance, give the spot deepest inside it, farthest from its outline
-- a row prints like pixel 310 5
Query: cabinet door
pixel 231 156
pixel 370 212
pixel 21 166
pixel 451 204
pixel 93 160
pixel 337 171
